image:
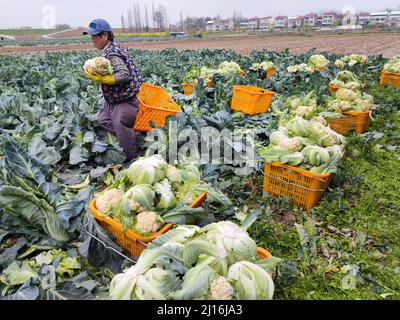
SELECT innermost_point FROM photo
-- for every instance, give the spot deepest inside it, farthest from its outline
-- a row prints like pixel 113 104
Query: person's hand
pixel 109 80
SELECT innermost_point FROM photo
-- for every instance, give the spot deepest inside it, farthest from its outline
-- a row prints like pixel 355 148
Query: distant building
pixel 363 17
pixel 244 24
pixel 281 22
pixel 267 23
pixel 254 24
pixel 229 24
pixel 320 18
pixel 385 18
pixel 330 19
pixel 250 24
pixel 310 20
pixel 220 25
pixel 295 22
pixel 210 25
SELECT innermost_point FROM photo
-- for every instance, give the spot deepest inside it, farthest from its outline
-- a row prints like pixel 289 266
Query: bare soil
pixel 368 44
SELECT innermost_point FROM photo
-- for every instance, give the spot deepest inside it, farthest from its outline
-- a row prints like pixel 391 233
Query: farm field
pixel 370 44
pixel 54 159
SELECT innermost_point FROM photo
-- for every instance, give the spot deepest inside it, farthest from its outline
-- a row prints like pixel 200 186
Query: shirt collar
pixel 105 48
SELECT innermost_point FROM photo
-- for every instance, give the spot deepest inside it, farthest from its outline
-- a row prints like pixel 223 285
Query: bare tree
pixel 153 14
pixel 146 14
pixel 237 17
pixel 181 21
pixel 135 17
pixel 130 21
pixel 159 18
pixel 123 22
pixel 166 19
pixel 139 16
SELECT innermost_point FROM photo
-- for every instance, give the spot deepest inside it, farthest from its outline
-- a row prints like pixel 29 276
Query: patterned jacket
pixel 127 75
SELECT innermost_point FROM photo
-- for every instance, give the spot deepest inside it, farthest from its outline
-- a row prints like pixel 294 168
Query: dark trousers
pixel 119 120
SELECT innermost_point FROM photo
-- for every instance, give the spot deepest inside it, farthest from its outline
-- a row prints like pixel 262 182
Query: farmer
pixel 119 110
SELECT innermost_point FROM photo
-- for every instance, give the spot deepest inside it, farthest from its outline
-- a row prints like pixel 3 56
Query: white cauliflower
pixel 347 95
pixel 352 85
pixel 339 105
pixel 304 111
pixel 335 149
pixel 318 61
pixel 295 103
pixel 292 144
pixel 302 67
pixel 135 206
pixel 148 222
pixel 358 58
pixel 361 105
pixel 99 65
pixel 265 65
pixel 280 139
pixel 309 69
pixel 320 119
pixel 109 200
pixel 352 63
pixel 339 64
pixel 220 289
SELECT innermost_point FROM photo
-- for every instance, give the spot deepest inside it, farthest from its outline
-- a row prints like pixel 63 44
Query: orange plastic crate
pixel 333 88
pixel 271 72
pixel 390 78
pixel 251 100
pixel 154 105
pixel 303 188
pixel 209 83
pixel 359 121
pixel 188 88
pixel 131 241
pixel 263 253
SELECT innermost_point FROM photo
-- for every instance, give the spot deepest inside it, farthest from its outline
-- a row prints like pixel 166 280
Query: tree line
pixel 156 18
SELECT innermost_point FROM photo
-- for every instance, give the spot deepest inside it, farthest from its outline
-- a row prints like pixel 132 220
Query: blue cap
pixel 97 26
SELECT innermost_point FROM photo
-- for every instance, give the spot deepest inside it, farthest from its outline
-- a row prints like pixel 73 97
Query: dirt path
pixel 369 44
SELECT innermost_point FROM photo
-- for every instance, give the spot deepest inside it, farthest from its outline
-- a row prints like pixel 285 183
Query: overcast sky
pixel 37 13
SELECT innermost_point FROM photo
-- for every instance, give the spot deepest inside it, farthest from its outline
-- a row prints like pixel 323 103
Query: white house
pixel 244 24
pixel 210 25
pixel 320 18
pixel 281 22
pixel 267 23
pixel 330 19
pixel 295 22
pixel 254 24
pixel 363 17
pixel 310 20
pixel 220 25
pixel 387 18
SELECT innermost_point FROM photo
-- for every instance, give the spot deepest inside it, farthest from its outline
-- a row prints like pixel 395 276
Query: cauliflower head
pixel 220 289
pixel 346 95
pixel 148 222
pixel 135 206
pixel 109 200
pixel 318 61
pixel 99 65
pixel 352 85
pixel 339 64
